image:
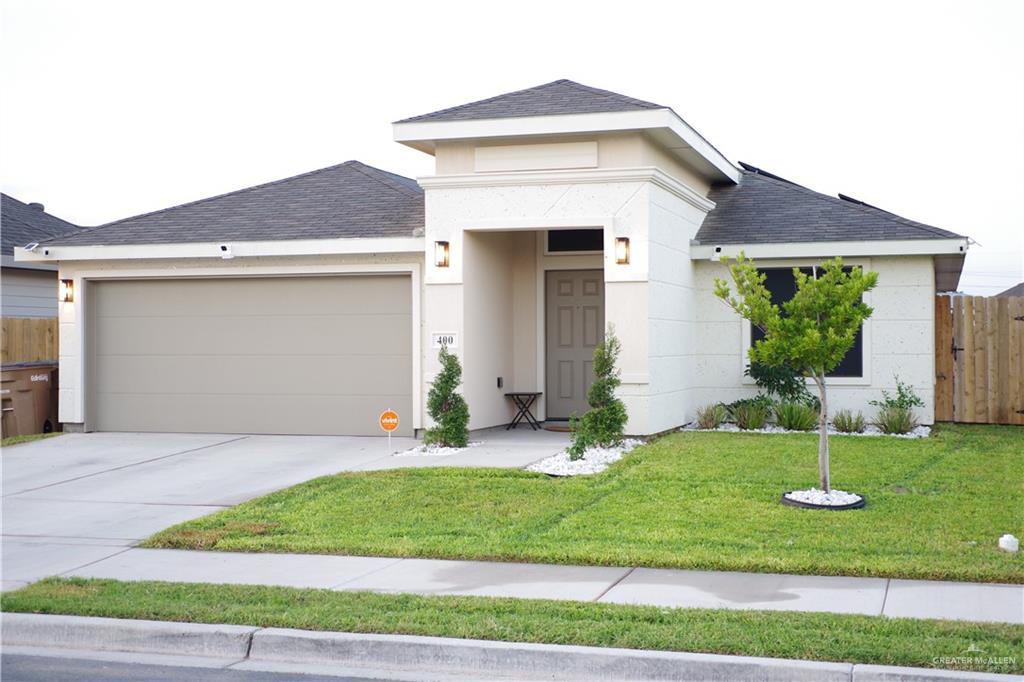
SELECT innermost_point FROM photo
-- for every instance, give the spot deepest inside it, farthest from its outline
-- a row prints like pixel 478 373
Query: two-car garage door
pixel 289 355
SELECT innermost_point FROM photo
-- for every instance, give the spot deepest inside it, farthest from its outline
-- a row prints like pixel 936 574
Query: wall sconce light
pixel 66 290
pixel 442 254
pixel 622 250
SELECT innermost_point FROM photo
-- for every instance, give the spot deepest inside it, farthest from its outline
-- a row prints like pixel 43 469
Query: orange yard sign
pixel 389 420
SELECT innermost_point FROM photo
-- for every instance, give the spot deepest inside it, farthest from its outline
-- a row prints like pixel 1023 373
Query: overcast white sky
pixel 110 109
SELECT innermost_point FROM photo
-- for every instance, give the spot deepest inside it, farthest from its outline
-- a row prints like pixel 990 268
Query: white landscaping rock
pixel 1009 543
pixel 594 460
pixel 917 432
pixel 434 451
pixel 833 498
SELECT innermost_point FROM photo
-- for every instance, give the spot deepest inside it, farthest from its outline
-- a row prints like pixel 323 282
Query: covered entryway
pixel 268 355
pixel 574 325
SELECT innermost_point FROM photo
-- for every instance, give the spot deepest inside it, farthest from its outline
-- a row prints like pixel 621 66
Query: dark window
pixel 782 286
pixel 575 240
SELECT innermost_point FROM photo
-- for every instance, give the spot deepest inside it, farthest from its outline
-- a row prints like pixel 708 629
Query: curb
pixel 535 661
pixel 252 646
pixel 113 634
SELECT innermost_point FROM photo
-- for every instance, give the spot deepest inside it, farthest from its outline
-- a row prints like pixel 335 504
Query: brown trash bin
pixel 28 399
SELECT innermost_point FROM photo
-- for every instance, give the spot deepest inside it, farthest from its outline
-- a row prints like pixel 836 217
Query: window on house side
pixel 782 286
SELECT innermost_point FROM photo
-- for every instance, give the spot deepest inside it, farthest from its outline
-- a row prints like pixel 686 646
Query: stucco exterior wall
pixel 615 150
pixel 899 338
pixel 72 315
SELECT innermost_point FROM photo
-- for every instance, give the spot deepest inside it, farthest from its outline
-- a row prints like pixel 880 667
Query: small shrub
pixel 712 416
pixel 896 413
pixel 781 381
pixel 895 419
pixel 845 421
pixel 796 416
pixel 761 400
pixel 447 408
pixel 905 398
pixel 605 422
pixel 750 415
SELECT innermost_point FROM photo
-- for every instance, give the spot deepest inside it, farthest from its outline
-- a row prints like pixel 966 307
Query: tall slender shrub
pixel 446 407
pixel 605 422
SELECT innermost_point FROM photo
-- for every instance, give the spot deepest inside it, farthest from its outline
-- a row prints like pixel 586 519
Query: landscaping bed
pixel 701 500
pixel 809 636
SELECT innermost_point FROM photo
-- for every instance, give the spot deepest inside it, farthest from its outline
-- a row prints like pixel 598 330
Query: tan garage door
pixel 300 355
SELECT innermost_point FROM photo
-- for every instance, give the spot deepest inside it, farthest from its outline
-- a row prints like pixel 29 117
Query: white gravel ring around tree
pixel 594 461
pixel 833 498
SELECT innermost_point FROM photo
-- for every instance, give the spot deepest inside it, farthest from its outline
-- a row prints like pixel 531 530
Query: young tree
pixel 812 331
pixel 447 408
pixel 605 421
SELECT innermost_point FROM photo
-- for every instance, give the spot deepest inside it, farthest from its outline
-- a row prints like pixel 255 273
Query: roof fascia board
pixel 881 247
pixel 239 249
pixel 9 262
pixel 573 177
pixel 423 134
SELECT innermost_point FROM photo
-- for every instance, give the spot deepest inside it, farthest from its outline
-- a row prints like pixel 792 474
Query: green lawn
pixel 936 508
pixel 17 440
pixel 815 636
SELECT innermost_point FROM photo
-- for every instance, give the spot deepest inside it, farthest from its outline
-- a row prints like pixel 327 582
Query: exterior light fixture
pixel 66 290
pixel 442 254
pixel 622 250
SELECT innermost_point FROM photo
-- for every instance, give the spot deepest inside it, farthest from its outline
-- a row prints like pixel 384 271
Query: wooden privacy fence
pixel 26 339
pixel 979 359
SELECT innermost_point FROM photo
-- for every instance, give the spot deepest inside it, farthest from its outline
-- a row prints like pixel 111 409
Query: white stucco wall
pixel 72 408
pixel 899 338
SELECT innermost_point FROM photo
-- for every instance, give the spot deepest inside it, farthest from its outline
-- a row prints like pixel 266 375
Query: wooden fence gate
pixel 979 359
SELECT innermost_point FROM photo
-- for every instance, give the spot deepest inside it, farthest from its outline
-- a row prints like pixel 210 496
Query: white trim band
pixel 238 249
pixel 650 174
pixel 880 247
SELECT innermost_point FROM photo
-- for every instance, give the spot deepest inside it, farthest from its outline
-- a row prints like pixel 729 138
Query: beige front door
pixel 289 355
pixel 575 325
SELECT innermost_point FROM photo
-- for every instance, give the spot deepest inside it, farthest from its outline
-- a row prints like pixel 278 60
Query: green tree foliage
pixel 447 408
pixel 605 421
pixel 812 331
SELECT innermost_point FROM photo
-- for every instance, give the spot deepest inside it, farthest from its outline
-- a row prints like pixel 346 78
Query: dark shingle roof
pixel 347 200
pixel 22 223
pixel 764 208
pixel 1016 290
pixel 558 97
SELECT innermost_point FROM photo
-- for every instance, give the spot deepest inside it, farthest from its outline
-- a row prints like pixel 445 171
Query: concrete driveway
pixel 79 498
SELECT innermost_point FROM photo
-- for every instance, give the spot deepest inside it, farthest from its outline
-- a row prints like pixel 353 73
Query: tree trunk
pixel 823 478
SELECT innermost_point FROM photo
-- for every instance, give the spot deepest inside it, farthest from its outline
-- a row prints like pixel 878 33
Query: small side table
pixel 523 401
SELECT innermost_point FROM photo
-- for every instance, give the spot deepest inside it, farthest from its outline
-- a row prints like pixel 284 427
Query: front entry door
pixel 575 325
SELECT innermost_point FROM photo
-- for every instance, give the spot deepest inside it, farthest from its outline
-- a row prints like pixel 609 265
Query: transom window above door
pixel 575 241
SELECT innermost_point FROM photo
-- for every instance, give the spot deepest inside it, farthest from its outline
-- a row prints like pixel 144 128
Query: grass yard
pixel 17 440
pixel 936 508
pixel 815 636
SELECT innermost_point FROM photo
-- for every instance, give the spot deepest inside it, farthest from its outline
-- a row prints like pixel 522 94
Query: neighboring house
pixel 1017 290
pixel 27 289
pixel 311 304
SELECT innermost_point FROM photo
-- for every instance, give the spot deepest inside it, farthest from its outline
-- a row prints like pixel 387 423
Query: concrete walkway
pixel 79 498
pixel 655 587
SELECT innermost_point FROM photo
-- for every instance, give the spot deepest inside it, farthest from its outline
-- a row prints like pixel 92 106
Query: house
pixel 311 304
pixel 27 289
pixel 1015 290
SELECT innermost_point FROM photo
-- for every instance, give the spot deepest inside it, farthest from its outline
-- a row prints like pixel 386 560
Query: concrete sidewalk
pixel 656 587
